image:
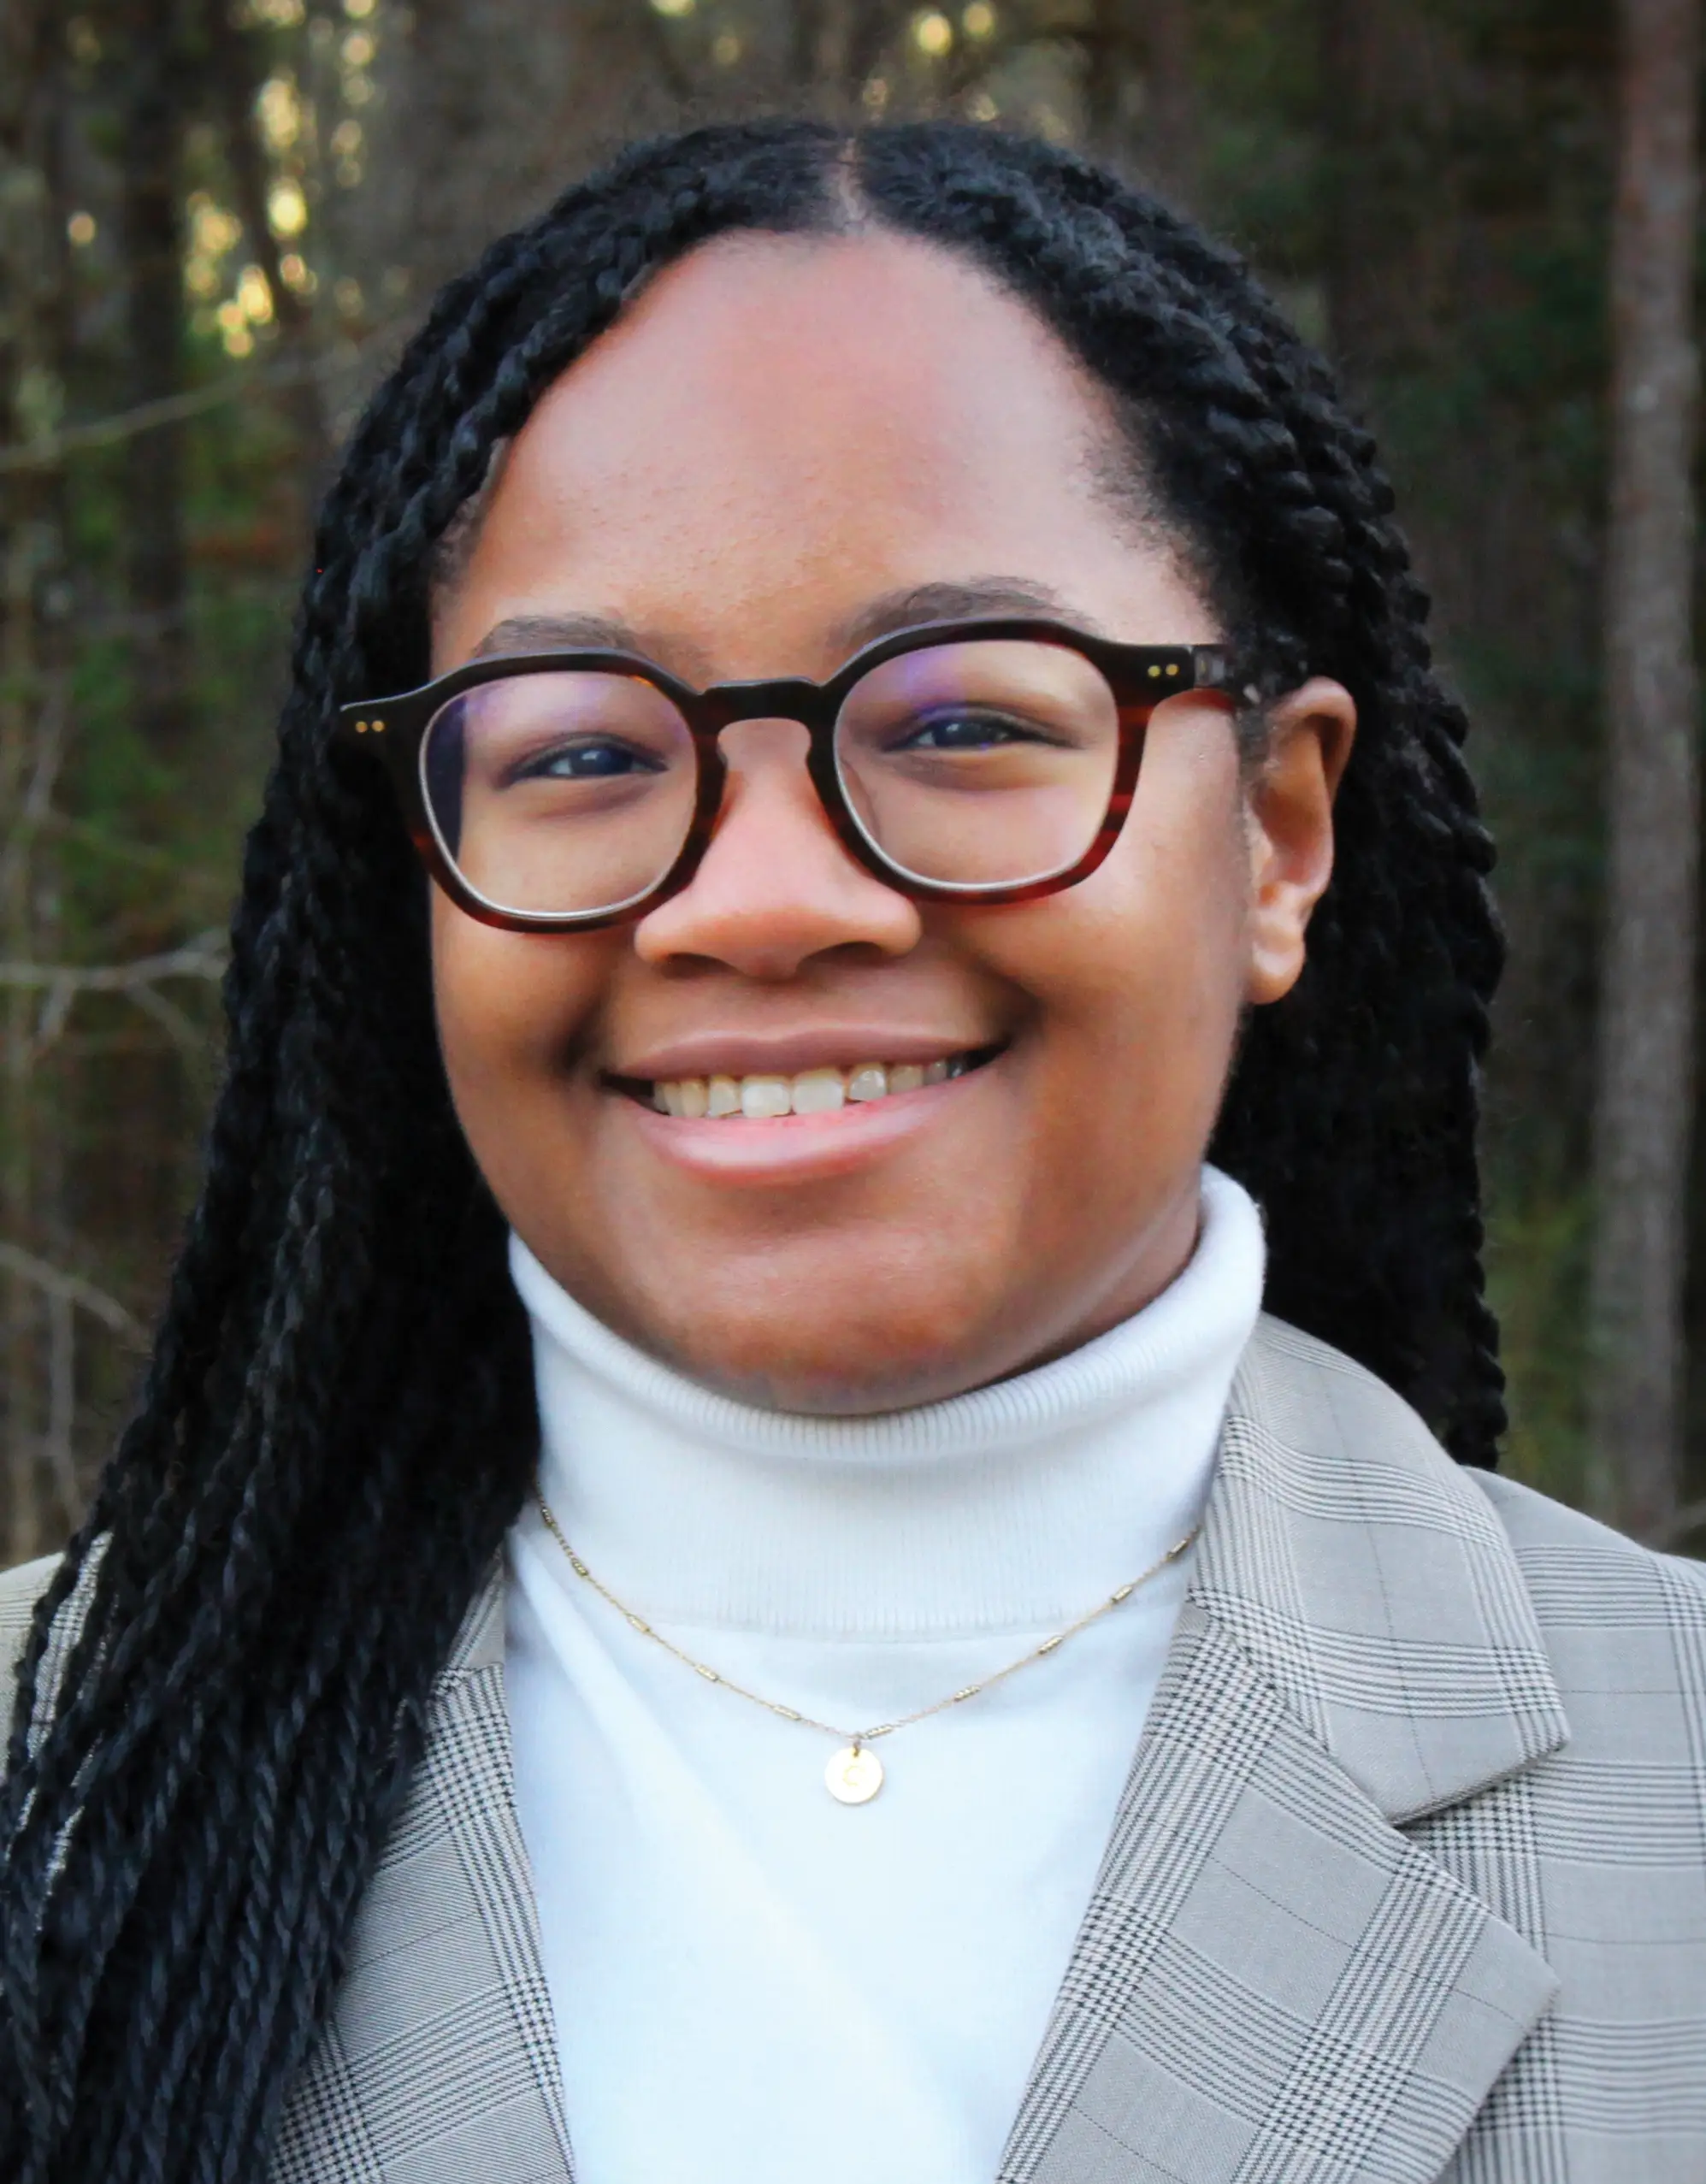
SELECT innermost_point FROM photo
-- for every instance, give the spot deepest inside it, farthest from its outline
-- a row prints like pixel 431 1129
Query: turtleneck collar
pixel 1012 1506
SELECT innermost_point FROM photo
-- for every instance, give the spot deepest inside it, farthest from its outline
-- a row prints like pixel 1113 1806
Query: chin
pixel 832 1364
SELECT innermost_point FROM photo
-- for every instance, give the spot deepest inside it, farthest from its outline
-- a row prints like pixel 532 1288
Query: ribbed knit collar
pixel 1013 1507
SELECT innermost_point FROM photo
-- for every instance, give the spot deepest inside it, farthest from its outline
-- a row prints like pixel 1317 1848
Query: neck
pixel 1013 1506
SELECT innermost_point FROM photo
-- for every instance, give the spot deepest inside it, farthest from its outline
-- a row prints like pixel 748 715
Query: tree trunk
pixel 1385 205
pixel 1351 231
pixel 1170 134
pixel 33 278
pixel 1103 41
pixel 235 56
pixel 1388 77
pixel 154 98
pixel 1645 1035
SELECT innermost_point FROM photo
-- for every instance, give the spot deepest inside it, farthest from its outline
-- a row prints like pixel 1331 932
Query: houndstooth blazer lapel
pixel 440 2061
pixel 1274 1984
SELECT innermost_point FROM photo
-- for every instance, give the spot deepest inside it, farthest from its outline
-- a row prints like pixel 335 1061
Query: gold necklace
pixel 854 1773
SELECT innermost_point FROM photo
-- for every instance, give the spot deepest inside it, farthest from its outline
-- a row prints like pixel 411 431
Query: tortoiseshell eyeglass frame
pixel 1139 678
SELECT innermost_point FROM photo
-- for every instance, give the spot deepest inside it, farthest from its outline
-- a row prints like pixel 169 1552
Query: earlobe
pixel 1290 828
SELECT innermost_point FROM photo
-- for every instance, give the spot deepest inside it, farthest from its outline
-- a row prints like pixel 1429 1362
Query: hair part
pixel 337 1425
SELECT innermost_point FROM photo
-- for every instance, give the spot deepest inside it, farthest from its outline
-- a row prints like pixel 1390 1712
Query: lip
pixel 793 1149
pixel 829 1046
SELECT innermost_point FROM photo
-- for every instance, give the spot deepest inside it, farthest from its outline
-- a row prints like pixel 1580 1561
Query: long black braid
pixel 338 1424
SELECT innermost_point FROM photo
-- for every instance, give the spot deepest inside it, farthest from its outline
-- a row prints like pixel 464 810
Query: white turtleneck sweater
pixel 752 1983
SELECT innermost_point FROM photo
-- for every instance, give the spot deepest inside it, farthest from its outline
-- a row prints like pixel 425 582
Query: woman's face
pixel 785 448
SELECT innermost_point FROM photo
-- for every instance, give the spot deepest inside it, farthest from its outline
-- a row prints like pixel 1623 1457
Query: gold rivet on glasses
pixel 1153 671
pixel 1173 669
pixel 379 728
pixel 360 728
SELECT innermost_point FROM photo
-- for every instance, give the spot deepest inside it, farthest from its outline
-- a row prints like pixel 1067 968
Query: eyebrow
pixel 962 600
pixel 557 632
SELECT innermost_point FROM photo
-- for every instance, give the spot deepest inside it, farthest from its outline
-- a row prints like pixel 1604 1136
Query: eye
pixel 968 731
pixel 596 758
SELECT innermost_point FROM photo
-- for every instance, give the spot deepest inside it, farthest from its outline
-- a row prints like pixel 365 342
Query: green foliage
pixel 1537 1281
pixel 1444 232
pixel 1477 303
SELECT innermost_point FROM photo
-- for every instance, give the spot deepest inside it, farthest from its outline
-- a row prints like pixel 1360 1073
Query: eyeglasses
pixel 986 761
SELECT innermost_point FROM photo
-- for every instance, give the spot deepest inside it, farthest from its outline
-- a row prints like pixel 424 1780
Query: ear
pixel 1290 828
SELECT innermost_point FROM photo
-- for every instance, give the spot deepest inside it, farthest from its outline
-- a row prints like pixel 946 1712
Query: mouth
pixel 768 1095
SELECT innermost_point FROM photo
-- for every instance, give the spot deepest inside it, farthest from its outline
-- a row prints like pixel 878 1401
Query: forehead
pixel 781 429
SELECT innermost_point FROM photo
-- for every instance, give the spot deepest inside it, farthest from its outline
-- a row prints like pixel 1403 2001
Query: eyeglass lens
pixel 987 763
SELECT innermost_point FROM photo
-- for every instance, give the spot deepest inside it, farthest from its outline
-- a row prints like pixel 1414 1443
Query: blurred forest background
pixel 218 220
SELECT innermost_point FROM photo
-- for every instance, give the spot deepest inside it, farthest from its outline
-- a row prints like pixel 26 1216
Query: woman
pixel 711 1403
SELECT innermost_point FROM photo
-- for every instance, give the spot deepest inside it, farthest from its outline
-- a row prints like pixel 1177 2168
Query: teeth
pixel 870 1081
pixel 812 1092
pixel 764 1098
pixel 818 1092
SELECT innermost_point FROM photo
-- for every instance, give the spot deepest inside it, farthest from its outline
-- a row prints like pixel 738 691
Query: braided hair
pixel 337 1426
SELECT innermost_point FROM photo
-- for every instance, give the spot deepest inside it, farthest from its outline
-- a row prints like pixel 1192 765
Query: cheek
pixel 1142 968
pixel 513 1009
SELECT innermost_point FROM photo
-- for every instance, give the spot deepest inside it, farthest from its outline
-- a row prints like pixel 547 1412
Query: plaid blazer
pixel 1407 1884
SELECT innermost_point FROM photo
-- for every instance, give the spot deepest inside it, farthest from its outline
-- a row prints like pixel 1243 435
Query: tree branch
pixel 172 408
pixel 71 1288
pixel 201 958
pixel 1691 1517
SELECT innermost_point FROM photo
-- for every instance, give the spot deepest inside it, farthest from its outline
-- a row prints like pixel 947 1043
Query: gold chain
pixel 858 1739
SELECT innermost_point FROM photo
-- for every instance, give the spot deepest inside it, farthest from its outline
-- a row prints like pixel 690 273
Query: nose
pixel 775 888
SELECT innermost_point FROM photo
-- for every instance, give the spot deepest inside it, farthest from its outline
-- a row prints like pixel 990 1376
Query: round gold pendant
pixel 854 1775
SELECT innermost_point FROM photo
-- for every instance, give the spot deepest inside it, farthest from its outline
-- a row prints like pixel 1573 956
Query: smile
pixel 766 1097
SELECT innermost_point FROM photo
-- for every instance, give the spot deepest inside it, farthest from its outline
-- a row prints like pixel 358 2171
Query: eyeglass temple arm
pixel 1211 669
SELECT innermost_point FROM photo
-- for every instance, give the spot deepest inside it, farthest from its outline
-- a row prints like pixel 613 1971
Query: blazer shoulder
pixel 1624 1629
pixel 1318 1398
pixel 1575 1568
pixel 20 1589
pixel 1594 1592
pixel 1565 1554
